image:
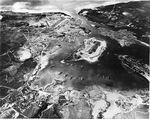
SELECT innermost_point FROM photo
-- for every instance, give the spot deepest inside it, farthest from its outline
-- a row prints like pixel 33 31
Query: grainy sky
pixel 40 2
pixel 46 5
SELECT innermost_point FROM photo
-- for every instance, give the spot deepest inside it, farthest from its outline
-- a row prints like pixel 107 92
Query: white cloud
pixel 21 6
